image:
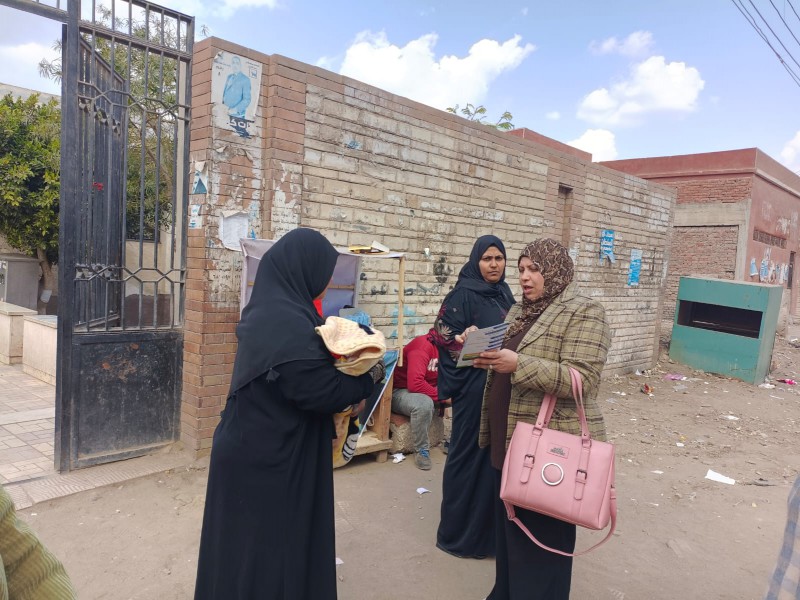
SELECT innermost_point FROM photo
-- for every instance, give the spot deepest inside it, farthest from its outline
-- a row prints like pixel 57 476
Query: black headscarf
pixel 277 325
pixel 473 301
pixel 470 275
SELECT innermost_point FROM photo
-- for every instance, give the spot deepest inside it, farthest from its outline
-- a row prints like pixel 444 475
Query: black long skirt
pixel 466 527
pixel 523 570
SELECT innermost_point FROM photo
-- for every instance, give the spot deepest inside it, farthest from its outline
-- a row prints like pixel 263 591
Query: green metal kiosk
pixel 726 327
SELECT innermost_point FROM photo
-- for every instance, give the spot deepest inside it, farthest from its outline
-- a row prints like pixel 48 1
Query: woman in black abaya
pixel 268 527
pixel 480 298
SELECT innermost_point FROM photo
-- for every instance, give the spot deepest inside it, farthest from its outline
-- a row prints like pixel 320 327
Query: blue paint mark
pixel 408 311
pixel 409 320
pixel 353 145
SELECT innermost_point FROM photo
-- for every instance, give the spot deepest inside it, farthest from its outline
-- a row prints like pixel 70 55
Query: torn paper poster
pixel 235 90
pixel 607 245
pixel 200 185
pixel 635 269
pixel 195 219
pixel 232 228
pixel 254 219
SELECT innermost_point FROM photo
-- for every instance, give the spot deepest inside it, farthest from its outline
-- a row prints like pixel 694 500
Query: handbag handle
pixel 549 405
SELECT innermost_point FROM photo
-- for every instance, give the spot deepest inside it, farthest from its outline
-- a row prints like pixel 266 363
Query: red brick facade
pixel 711 189
pixel 699 251
pixel 736 182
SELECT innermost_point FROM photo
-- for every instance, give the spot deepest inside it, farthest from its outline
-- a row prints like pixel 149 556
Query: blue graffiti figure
pixel 236 95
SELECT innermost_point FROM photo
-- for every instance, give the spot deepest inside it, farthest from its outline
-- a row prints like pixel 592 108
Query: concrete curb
pixel 27 493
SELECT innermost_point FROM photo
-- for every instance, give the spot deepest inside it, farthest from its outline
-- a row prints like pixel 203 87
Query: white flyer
pixel 481 340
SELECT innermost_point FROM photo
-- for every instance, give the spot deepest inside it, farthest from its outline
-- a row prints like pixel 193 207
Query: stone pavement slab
pixel 27 426
pixel 27 437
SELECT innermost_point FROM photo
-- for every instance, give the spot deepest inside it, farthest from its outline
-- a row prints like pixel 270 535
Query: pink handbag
pixel 561 475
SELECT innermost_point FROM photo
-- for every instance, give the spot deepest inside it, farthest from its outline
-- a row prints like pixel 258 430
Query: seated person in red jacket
pixel 414 393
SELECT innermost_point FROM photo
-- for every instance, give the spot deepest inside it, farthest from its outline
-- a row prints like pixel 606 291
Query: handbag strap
pixel 613 505
pixel 549 405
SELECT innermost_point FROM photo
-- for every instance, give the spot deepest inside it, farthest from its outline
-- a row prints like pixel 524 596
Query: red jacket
pixel 420 368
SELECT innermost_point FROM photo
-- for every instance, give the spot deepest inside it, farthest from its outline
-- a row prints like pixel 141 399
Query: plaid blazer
pixel 27 569
pixel 571 332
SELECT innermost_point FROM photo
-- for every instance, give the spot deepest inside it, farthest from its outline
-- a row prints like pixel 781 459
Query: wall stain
pixel 379 292
pixel 442 270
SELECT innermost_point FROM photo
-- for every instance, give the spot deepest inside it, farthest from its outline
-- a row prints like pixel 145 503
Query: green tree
pixel 150 119
pixel 29 178
pixel 478 114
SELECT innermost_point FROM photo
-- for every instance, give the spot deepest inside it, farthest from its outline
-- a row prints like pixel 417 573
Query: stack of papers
pixel 482 340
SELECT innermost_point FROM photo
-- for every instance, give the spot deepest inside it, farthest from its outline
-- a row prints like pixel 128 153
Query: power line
pixel 789 2
pixel 752 21
pixel 777 37
pixel 784 21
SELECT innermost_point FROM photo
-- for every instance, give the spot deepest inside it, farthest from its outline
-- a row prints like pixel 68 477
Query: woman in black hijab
pixel 268 527
pixel 480 298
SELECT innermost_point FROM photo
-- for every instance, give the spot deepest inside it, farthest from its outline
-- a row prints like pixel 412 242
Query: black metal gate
pixel 126 69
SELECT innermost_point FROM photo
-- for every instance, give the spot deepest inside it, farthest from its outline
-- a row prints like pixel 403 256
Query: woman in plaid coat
pixel 554 328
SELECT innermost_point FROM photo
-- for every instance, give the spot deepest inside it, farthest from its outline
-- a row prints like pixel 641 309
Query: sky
pixel 620 79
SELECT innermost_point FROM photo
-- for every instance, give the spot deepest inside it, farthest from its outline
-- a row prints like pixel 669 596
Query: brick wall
pixel 361 164
pixel 699 251
pixel 712 189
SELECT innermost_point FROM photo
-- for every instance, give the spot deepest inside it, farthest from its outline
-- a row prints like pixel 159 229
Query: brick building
pixel 316 149
pixel 736 218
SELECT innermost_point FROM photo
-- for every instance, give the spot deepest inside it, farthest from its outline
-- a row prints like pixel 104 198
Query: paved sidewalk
pixel 27 426
pixel 27 433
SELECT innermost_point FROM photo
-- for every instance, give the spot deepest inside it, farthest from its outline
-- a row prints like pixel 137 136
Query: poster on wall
pixel 607 245
pixel 195 219
pixel 235 90
pixel 635 269
pixel 200 185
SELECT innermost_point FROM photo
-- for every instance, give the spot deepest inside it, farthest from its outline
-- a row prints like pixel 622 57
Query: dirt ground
pixel 679 534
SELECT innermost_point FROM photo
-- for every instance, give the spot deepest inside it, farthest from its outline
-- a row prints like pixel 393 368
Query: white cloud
pixel 326 62
pixel 636 44
pixel 21 66
pixel 790 155
pixel 653 85
pixel 601 143
pixel 228 7
pixel 206 9
pixel 194 8
pixel 553 115
pixel 413 70
pixel 524 11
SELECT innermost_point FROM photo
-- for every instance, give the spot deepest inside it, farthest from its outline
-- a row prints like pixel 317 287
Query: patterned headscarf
pixel 554 263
